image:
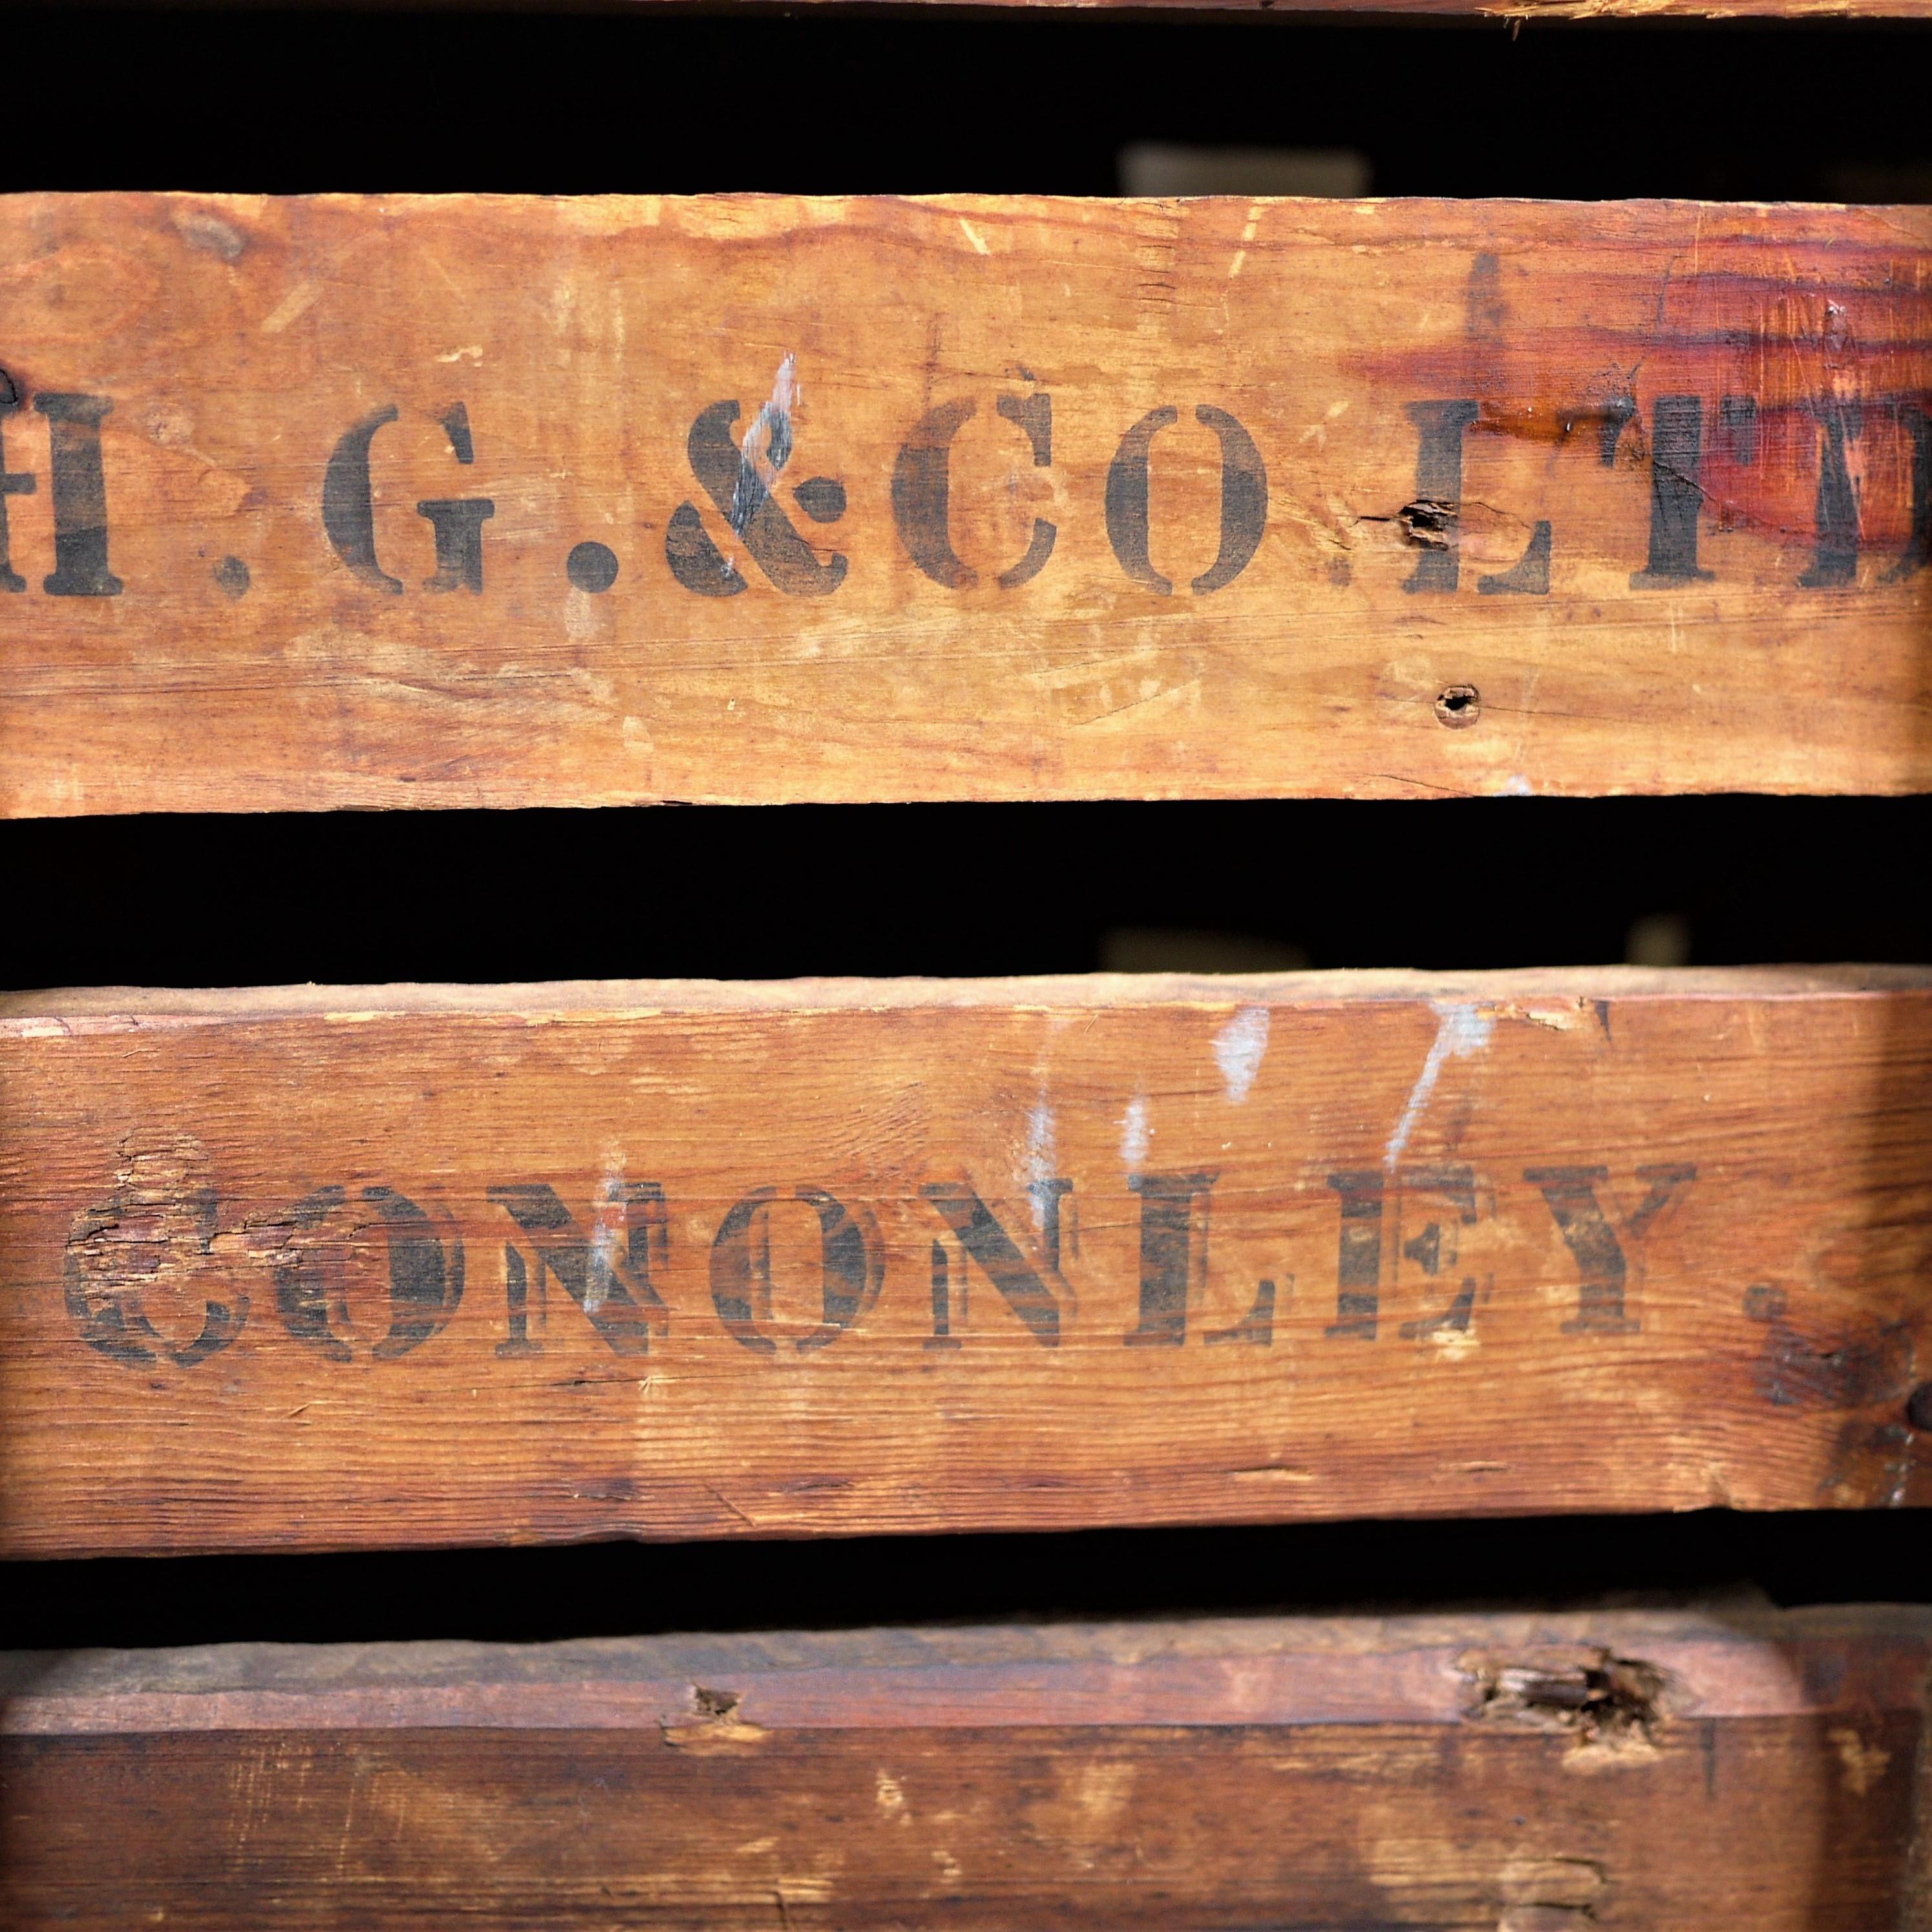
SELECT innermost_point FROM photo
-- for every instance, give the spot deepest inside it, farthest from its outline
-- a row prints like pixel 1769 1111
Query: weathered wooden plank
pixel 1541 1773
pixel 1517 11
pixel 365 1267
pixel 492 500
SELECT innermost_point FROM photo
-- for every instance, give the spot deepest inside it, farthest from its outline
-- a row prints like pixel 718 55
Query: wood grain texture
pixel 500 501
pixel 1741 1769
pixel 399 1267
pixel 1282 10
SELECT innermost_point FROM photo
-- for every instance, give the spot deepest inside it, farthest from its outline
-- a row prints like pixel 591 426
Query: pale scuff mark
pixel 296 304
pixel 1573 1017
pixel 1247 235
pixel 1102 1790
pixel 582 618
pixel 1041 1155
pixel 472 350
pixel 891 1795
pixel 1135 1133
pixel 1239 1047
pixel 1550 1894
pixel 807 1889
pixel 1864 1764
pixel 1462 1028
pixel 607 1232
pixel 973 235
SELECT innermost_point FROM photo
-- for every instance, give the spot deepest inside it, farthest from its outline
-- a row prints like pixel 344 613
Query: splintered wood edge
pixel 1262 1671
pixel 43 1013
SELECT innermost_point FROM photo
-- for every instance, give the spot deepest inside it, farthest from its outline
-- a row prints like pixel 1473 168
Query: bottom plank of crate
pixel 1537 1773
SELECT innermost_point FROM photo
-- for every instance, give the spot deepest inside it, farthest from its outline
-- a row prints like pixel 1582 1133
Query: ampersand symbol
pixel 740 482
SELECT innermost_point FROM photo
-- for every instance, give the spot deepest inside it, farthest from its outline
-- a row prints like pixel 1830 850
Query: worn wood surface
pixel 1742 1770
pixel 1283 10
pixel 399 1266
pixel 476 500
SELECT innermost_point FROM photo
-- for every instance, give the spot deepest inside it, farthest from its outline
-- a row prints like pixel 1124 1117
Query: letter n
pixel 1021 1284
pixel 614 1291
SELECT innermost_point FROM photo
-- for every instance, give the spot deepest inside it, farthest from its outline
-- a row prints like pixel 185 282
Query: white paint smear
pixel 1462 1028
pixel 1040 1158
pixel 767 446
pixel 607 1227
pixel 1238 1049
pixel 1135 1132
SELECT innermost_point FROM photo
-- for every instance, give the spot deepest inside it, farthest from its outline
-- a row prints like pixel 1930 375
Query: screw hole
pixel 1460 704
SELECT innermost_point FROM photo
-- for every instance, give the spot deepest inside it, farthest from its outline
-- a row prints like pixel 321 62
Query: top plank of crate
pixel 479 500
pixel 1516 11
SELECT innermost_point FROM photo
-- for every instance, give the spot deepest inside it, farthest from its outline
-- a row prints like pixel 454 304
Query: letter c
pixel 921 487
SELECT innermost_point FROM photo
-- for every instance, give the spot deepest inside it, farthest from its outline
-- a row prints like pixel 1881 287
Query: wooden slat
pixel 1539 1774
pixel 1282 10
pixel 394 1266
pixel 317 502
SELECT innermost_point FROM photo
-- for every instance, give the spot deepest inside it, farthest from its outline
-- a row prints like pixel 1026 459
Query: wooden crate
pixel 417 502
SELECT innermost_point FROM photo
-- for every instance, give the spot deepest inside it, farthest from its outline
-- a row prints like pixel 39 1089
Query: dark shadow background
pixel 648 100
pixel 776 893
pixel 931 99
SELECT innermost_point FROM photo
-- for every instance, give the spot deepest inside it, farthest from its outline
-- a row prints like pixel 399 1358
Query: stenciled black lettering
pixel 1035 1299
pixel 1435 518
pixel 424 1279
pixel 455 421
pixel 1434 1249
pixel 1529 576
pixel 1571 1194
pixel 1735 440
pixel 922 494
pixel 1257 1326
pixel 1676 493
pixel 1174 1253
pixel 1358 1262
pixel 13 483
pixel 613 1290
pixel 923 485
pixel 349 505
pixel 458 523
pixel 942 1336
pixel 1917 423
pixel 743 495
pixel 79 496
pixel 851 1264
pixel 1835 556
pixel 1244 500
